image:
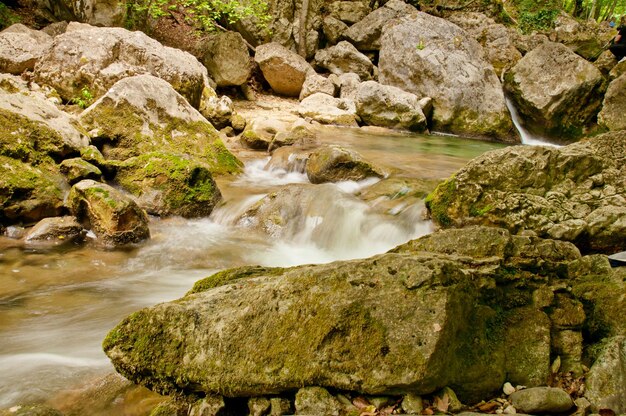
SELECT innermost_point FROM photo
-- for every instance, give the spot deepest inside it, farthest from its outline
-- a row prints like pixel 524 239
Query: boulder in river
pixel 95 58
pixel 431 57
pixel 334 163
pixel 112 215
pixel 55 231
pixel 21 47
pixel 556 90
pixel 143 114
pixel 283 69
pixel 614 105
pixel 574 193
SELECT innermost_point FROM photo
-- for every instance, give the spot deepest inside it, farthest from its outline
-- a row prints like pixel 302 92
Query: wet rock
pixel 349 12
pixel 261 130
pixel 606 381
pixel 55 231
pixel 284 70
pixel 344 58
pixel 96 58
pixel 21 48
pixel 316 83
pixel 227 59
pixel 300 135
pixel 538 400
pixel 144 114
pixel 386 106
pixel 552 192
pixel 333 29
pixel 365 34
pixel 258 406
pixel 77 169
pixel 412 404
pixel 335 163
pixel 614 105
pixel 467 95
pixel 326 109
pixel 166 184
pixel 317 401
pixel 558 91
pixel 113 216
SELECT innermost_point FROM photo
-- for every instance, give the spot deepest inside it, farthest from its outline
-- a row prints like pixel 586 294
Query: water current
pixel 57 306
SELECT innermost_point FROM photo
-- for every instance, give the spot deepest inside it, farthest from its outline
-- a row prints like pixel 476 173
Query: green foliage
pixel 7 17
pixel 542 19
pixel 84 99
pixel 201 13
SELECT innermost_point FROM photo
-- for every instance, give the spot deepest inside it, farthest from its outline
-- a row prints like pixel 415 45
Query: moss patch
pixel 438 202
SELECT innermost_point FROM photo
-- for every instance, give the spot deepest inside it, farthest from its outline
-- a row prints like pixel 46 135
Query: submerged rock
pixel 431 57
pixel 335 163
pixel 574 193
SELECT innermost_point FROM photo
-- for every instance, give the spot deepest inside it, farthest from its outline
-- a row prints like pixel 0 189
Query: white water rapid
pixel 526 137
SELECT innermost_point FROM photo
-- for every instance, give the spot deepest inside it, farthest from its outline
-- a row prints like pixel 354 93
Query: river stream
pixel 57 306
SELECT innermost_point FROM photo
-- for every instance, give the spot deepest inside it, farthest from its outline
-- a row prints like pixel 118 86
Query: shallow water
pixel 57 306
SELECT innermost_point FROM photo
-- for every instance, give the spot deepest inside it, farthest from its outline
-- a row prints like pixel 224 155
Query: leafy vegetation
pixel 7 17
pixel 84 99
pixel 536 15
pixel 598 10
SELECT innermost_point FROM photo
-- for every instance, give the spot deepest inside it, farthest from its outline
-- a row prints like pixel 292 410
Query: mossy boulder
pixel 29 193
pixel 606 381
pixel 55 231
pixel 144 114
pixel 77 169
pixel 169 184
pixel 334 163
pixel 574 193
pixel 112 215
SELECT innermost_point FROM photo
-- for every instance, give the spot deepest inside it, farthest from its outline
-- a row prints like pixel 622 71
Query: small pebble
pixel 508 388
pixel 510 410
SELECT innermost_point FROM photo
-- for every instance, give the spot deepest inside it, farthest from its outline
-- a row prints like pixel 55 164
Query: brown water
pixel 57 306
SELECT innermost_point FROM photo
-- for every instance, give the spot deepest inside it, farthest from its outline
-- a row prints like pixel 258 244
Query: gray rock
pixel 21 48
pixel 112 215
pixel 317 401
pixel 568 345
pixel 77 169
pixel 365 34
pixel 431 57
pixel 348 85
pixel 585 37
pixel 227 59
pixel 93 12
pixel 334 163
pixel 606 381
pixel 326 109
pixel 316 83
pixel 556 90
pixel 333 29
pixel 55 231
pixel 284 70
pixel 349 12
pixel 218 110
pixel 387 106
pixel 343 58
pixel 539 400
pixel 96 58
pixel 614 105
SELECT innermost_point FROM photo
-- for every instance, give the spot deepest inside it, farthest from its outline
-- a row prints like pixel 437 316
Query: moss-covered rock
pixel 144 114
pixel 77 169
pixel 55 231
pixel 169 184
pixel 114 217
pixel 606 381
pixel 334 163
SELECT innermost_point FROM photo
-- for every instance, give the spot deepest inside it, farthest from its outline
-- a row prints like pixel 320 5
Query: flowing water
pixel 525 135
pixel 56 306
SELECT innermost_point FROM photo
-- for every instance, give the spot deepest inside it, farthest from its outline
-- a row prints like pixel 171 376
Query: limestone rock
pixel 431 57
pixel 21 47
pixel 258 406
pixel 144 114
pixel 349 12
pixel 540 400
pixel 585 37
pixel 606 381
pixel 348 85
pixel 344 58
pixel 208 406
pixel 218 110
pixel 558 91
pixel 169 184
pixel 93 12
pixel 284 70
pixel 329 110
pixel 553 192
pixel 387 106
pixel 316 83
pixel 605 62
pixel 55 231
pixel 317 401
pixel 261 130
pixel 333 29
pixel 280 406
pixel 614 105
pixel 96 58
pixel 365 34
pixel 77 169
pixel 113 216
pixel 227 59
pixel 334 163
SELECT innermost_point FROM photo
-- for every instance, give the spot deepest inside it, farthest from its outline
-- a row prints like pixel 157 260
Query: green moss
pixel 230 275
pixel 474 211
pixel 438 201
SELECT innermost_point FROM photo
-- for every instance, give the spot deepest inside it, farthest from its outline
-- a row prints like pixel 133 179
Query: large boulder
pixel 283 69
pixel 333 29
pixel 334 163
pixel 327 109
pixel 227 59
pixel 55 231
pixel 344 58
pixel 93 12
pixel 365 34
pixel 169 184
pixel 387 106
pixel 586 38
pixel 112 215
pixel 316 83
pixel 21 47
pixel 556 90
pixel 96 58
pixel 606 381
pixel 143 114
pixel 614 105
pixel 575 193
pixel 349 12
pixel 431 57
pixel 453 320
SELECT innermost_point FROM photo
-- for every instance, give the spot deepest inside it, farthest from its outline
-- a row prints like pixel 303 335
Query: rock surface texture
pixel 575 193
pixel 327 109
pixel 606 382
pixel 614 105
pixel 227 59
pixel 283 69
pixel 387 106
pixel 431 57
pixel 334 163
pixel 344 58
pixel 558 91
pixel 21 48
